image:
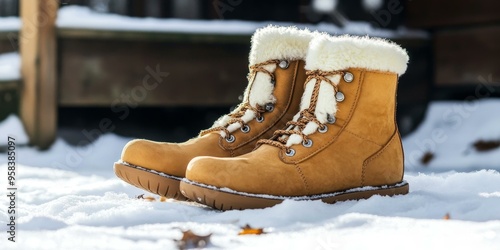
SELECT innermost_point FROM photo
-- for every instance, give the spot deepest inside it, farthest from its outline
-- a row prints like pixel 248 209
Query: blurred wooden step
pixel 9 97
pixel 447 13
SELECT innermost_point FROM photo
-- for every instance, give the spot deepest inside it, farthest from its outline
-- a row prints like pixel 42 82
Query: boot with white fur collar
pixel 343 143
pixel 271 99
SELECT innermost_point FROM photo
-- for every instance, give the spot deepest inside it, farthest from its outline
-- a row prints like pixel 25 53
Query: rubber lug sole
pixel 149 181
pixel 222 200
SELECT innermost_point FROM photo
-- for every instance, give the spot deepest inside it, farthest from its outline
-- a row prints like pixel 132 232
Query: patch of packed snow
pixel 91 159
pixel 449 132
pixel 13 127
pixel 10 66
pixel 77 17
pixel 10 24
pixel 84 206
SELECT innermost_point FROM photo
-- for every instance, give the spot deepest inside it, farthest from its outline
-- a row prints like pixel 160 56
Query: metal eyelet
pixel 269 107
pixel 339 96
pixel 348 77
pixel 330 119
pixel 307 143
pixel 284 64
pixel 260 119
pixel 290 152
pixel 245 129
pixel 323 129
pixel 230 139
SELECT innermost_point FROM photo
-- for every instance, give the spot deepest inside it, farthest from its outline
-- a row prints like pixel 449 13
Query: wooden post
pixel 37 42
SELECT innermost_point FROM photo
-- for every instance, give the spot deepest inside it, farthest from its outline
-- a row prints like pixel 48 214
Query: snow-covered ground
pixel 10 24
pixel 10 64
pixel 69 198
pixel 449 133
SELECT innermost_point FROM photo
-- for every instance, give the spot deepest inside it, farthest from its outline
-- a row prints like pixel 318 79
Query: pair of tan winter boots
pixel 317 122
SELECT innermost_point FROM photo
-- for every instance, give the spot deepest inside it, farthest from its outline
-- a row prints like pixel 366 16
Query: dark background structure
pixel 458 59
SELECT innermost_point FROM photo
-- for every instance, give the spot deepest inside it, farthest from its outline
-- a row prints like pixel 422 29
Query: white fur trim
pixel 338 53
pixel 274 42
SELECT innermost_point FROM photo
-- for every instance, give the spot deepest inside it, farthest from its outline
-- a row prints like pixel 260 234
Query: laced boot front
pixel 342 144
pixel 270 99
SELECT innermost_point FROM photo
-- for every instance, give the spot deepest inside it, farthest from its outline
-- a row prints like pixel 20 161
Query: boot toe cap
pixel 211 171
pixel 244 174
pixel 162 157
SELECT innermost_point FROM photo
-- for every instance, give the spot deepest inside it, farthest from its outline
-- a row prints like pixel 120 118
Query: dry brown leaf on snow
pixel 250 230
pixel 151 198
pixel 447 216
pixel 192 240
pixel 426 158
pixel 147 198
pixel 482 145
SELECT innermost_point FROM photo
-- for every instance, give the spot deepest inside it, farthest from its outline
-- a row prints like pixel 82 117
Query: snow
pixel 10 24
pixel 10 66
pixel 13 127
pixel 372 5
pixel 324 6
pixel 77 17
pixel 69 198
pixel 449 132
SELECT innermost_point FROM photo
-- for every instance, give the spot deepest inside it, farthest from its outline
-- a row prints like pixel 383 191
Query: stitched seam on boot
pixel 362 138
pixel 358 93
pixel 280 116
pixel 304 180
pixel 396 123
pixel 375 156
pixel 374 71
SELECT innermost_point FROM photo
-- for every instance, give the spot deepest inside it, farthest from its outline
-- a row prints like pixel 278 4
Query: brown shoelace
pixel 244 106
pixel 280 137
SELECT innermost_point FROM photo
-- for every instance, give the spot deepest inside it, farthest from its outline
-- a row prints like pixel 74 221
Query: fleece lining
pixel 339 53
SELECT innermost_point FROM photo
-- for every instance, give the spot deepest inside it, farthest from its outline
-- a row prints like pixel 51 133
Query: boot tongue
pixel 258 93
pixel 325 104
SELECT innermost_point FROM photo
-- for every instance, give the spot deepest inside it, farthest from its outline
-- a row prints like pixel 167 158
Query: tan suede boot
pixel 343 144
pixel 272 97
